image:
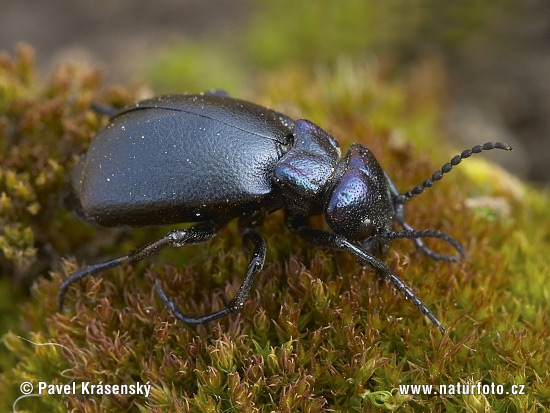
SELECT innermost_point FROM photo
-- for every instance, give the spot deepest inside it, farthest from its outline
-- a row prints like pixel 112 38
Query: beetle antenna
pixel 437 175
pixel 423 233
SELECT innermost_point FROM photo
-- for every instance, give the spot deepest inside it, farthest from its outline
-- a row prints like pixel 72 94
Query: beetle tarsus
pixel 371 260
pixel 86 272
pixel 428 252
pixel 182 317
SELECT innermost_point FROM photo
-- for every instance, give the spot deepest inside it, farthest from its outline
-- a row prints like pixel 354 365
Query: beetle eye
pixel 366 229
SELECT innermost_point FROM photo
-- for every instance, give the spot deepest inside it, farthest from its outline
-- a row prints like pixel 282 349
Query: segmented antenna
pixel 403 198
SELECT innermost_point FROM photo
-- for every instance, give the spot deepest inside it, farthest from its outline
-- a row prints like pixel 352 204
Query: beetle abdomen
pixel 160 164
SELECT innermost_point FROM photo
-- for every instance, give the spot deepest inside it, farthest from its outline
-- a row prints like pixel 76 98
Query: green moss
pixel 205 66
pixel 310 32
pixel 319 332
pixel 306 31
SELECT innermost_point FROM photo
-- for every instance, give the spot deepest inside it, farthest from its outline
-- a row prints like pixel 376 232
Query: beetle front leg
pixel 236 304
pixel 328 239
pixel 176 238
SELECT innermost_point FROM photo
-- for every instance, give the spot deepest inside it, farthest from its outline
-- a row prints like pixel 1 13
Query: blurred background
pixel 489 61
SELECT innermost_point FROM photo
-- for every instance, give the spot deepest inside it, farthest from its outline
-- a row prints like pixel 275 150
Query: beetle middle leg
pixel 400 218
pixel 177 238
pixel 254 267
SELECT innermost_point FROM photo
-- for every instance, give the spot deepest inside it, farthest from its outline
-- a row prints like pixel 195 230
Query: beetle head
pixel 359 205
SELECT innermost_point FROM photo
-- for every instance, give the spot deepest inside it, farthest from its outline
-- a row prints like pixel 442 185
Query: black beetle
pixel 210 158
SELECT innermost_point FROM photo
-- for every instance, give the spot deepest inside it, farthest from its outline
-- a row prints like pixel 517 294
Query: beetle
pixel 209 159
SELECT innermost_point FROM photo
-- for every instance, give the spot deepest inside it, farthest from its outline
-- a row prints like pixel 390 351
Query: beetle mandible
pixel 209 158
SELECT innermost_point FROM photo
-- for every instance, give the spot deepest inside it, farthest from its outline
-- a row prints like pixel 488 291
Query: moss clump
pixel 319 331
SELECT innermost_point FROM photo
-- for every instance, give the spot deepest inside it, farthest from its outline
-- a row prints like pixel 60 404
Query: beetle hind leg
pixel 176 238
pixel 254 267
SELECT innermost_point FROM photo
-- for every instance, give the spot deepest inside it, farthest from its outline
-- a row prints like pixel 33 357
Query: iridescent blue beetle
pixel 210 158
